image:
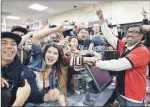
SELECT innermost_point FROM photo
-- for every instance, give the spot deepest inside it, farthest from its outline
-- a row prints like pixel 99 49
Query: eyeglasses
pixel 132 34
pixel 134 30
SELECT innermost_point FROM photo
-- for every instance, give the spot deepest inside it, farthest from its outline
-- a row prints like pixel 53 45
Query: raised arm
pixel 119 31
pixel 145 18
pixel 113 40
pixel 24 38
pixel 38 36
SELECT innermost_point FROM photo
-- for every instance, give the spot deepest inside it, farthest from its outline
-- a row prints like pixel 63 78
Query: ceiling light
pixel 13 17
pixel 37 7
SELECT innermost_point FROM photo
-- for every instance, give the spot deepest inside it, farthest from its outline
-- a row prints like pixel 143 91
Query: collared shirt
pixel 132 82
pixel 131 47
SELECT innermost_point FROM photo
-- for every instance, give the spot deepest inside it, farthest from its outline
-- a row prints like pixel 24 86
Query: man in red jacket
pixel 131 66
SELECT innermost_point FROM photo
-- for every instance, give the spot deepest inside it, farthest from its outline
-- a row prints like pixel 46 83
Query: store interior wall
pixel 121 12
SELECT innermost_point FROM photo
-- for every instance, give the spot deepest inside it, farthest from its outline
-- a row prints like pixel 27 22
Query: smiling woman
pixel 51 77
pixel 48 65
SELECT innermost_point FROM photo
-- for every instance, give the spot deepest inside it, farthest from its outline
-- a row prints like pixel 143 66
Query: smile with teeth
pixel 8 52
pixel 50 59
pixel 129 39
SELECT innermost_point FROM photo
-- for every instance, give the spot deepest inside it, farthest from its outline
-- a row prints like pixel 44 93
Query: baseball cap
pixel 19 28
pixel 11 35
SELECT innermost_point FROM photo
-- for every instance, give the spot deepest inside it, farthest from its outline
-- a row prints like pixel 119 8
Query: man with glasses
pixel 131 66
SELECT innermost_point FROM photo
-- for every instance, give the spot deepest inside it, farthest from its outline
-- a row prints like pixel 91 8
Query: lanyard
pixel 44 87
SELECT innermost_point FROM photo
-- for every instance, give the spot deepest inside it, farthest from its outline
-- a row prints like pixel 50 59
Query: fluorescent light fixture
pixel 37 7
pixel 13 17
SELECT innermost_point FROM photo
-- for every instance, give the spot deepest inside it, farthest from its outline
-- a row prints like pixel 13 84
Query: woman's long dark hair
pixel 58 66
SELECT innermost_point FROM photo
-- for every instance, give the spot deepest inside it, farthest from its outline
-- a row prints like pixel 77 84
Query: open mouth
pixel 129 40
pixel 67 54
pixel 50 59
pixel 83 37
pixel 8 53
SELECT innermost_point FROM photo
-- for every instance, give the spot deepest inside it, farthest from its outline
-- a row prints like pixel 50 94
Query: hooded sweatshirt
pixel 12 72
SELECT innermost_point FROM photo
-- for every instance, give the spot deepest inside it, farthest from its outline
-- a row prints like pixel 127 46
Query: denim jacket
pixel 51 83
pixel 36 58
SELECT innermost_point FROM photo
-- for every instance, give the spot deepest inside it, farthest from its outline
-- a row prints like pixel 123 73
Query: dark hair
pixel 52 26
pixel 58 67
pixel 68 33
pixel 27 27
pixel 147 39
pixel 137 25
pixel 110 25
pixel 91 32
pixel 19 28
pixel 82 29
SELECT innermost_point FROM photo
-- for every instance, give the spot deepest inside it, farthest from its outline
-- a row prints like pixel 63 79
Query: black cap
pixel 19 28
pixel 11 35
pixel 52 26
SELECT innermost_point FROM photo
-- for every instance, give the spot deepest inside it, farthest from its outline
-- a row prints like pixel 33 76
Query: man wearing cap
pixel 22 32
pixel 131 66
pixel 25 35
pixel 13 71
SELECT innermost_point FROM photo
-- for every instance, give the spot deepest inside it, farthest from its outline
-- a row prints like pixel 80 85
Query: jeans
pixel 126 103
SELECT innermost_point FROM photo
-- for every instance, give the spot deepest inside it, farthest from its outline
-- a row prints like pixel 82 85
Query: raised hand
pixel 27 47
pixel 144 13
pixel 66 25
pixel 118 27
pixel 99 14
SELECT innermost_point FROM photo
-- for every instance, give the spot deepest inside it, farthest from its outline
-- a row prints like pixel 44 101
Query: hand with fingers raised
pixel 66 25
pixel 144 13
pixel 99 14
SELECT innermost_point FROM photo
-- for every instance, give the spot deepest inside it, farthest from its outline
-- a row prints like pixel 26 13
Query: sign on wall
pixel 40 24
